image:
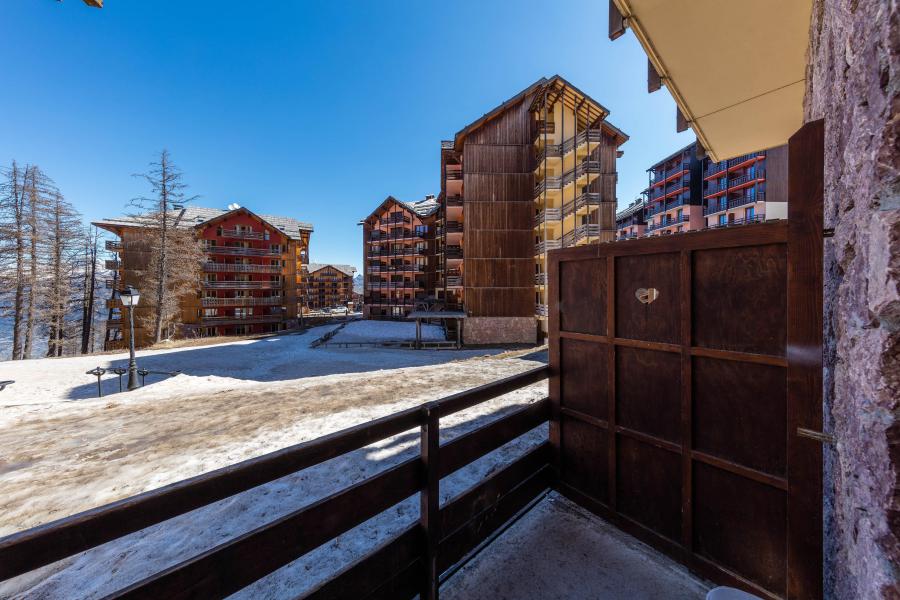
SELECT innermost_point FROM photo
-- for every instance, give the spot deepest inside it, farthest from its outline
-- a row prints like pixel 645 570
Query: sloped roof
pixel 422 208
pixel 345 269
pixel 632 208
pixel 194 216
pixel 555 84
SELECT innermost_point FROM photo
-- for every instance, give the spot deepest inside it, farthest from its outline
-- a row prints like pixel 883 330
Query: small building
pixel 630 221
pixel 250 279
pixel 328 285
pixel 398 257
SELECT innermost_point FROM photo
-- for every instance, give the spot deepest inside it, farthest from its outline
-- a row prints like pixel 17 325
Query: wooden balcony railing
pixel 112 265
pixel 242 285
pixel 583 200
pixel 245 301
pixel 454 281
pixel 454 174
pixel 548 215
pixel 454 200
pixel 236 250
pixel 242 234
pixel 546 245
pixel 212 267
pixel 113 245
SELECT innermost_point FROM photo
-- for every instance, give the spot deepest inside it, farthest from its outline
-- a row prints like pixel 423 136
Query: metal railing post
pixel 429 506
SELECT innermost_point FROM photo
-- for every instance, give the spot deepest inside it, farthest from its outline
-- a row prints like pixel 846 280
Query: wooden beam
pixel 654 81
pixel 616 21
pixel 681 123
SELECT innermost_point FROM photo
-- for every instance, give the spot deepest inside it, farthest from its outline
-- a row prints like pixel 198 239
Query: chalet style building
pixel 687 193
pixel 328 285
pixel 630 222
pixel 251 276
pixel 534 174
pixel 398 257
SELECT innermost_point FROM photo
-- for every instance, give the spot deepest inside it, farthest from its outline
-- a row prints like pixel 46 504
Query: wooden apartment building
pixel 251 275
pixel 398 257
pixel 328 285
pixel 534 174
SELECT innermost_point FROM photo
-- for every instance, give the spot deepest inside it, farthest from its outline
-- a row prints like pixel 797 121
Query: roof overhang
pixel 737 70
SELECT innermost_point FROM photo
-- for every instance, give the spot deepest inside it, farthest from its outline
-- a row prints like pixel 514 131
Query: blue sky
pixel 316 110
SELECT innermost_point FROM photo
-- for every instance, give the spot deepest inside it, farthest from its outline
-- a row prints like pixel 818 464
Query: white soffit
pixel 736 69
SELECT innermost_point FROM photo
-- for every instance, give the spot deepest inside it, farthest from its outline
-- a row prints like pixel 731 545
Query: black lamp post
pixel 130 298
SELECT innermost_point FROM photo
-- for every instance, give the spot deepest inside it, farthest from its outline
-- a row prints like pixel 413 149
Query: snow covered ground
pixel 386 331
pixel 62 451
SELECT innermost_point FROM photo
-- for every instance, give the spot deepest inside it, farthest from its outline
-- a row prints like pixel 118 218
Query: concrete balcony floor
pixel 559 550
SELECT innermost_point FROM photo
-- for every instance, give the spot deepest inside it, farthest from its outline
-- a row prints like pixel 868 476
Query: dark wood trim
pixel 429 501
pixel 225 569
pixel 616 21
pixel 469 398
pixel 555 387
pixel 649 439
pixel 654 81
pixel 806 180
pixel 687 488
pixel 611 378
pixel 580 416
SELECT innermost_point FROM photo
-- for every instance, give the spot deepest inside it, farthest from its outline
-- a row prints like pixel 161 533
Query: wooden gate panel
pixel 740 299
pixel 741 524
pixel 648 397
pixel 648 485
pixel 584 292
pixel 740 413
pixel 584 452
pixel 582 392
pixel 659 320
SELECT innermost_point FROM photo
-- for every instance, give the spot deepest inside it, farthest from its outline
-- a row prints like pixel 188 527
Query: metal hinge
pixel 825 438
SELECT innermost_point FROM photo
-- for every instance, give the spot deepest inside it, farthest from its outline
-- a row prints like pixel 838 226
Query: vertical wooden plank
pixel 429 500
pixel 611 373
pixel 687 535
pixel 681 122
pixel 804 342
pixel 553 300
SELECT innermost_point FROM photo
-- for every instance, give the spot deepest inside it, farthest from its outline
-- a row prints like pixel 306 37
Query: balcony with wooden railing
pixel 213 267
pixel 241 285
pixel 456 200
pixel 113 245
pixel 581 201
pixel 241 251
pixel 239 233
pixel 550 215
pixel 243 301
pixel 546 245
pixel 548 183
pixel 581 232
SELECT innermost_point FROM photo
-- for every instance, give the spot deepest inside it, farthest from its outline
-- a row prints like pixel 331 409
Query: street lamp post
pixel 130 297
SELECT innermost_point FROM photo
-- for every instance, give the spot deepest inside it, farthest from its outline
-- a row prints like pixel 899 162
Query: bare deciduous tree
pixel 89 284
pixel 13 233
pixel 174 254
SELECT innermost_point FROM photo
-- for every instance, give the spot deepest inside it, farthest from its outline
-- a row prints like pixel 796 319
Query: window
pixel 266 234
pixel 723 219
pixel 219 231
pixel 749 212
pixel 210 312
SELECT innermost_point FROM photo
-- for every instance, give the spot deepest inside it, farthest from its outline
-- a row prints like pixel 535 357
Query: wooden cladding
pixel 676 414
pixel 498 183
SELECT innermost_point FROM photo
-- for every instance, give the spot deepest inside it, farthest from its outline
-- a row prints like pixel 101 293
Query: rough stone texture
pixel 500 330
pixel 853 82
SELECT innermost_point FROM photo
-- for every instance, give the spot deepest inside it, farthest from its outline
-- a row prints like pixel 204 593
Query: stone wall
pixel 499 330
pixel 853 82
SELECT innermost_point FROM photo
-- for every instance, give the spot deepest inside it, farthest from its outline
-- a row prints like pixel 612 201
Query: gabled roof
pixel 422 208
pixel 555 85
pixel 195 216
pixel 345 269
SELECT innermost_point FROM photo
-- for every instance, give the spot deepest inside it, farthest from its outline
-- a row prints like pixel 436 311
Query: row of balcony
pixel 241 251
pixel 546 246
pixel 241 285
pixel 668 222
pixel 662 192
pixel 741 221
pixel 453 252
pixel 240 233
pixel 664 206
pixel 114 245
pixel 395 219
pixel 215 267
pixel 454 174
pixel 243 301
pixel 550 214
pixel 559 182
pixel 718 167
pixel 390 302
pixel 398 235
pixel 454 281
pixel 456 200
pixel 720 206
pixel 658 177
pixel 585 199
pixel 713 187
pixel 395 268
pixel 578 140
pixel 398 252
pixel 377 284
pixel 586 231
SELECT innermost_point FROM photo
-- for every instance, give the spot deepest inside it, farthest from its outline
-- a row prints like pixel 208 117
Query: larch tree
pixel 174 255
pixel 13 236
pixel 64 239
pixel 39 190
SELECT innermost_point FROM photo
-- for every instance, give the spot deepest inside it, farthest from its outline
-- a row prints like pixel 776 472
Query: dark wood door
pixel 683 367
